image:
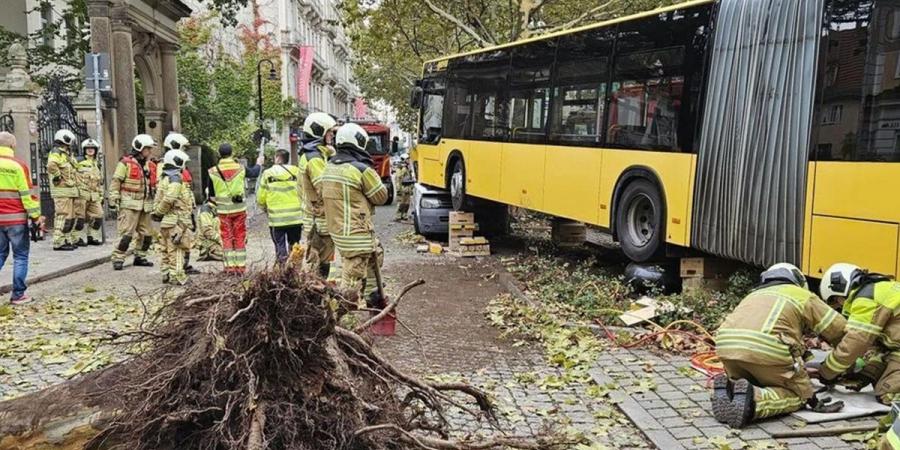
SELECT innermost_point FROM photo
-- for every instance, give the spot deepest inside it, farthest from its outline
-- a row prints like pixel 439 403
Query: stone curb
pixel 651 428
pixel 6 288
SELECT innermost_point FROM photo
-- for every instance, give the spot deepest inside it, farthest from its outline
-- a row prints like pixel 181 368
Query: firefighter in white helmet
pixel 174 211
pixel 90 219
pixel 351 189
pixel 131 193
pixel 178 141
pixel 62 168
pixel 312 163
pixel 871 303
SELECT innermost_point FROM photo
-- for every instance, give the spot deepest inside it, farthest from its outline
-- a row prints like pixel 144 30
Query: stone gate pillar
pixel 20 101
pixel 170 87
pixel 123 78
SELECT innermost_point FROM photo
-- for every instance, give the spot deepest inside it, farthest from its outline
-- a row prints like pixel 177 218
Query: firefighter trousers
pixel 208 250
pixel 133 227
pixel 90 219
pixel 64 220
pixel 233 228
pixel 779 389
pixel 319 251
pixel 403 196
pixel 174 242
pixel 358 273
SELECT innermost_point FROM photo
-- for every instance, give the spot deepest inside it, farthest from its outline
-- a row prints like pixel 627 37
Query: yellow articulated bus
pixel 756 130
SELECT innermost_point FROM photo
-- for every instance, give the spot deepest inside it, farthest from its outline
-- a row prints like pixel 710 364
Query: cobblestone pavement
pixel 676 413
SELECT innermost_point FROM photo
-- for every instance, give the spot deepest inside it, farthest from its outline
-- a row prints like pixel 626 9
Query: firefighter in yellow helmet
pixel 174 208
pixel 312 162
pixel 871 303
pixel 279 196
pixel 131 193
pixel 91 219
pixel 350 190
pixel 208 240
pixel 761 346
pixel 63 171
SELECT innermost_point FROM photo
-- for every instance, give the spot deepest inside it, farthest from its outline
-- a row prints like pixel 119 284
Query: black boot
pixel 142 262
pixel 324 270
pixel 92 241
pixel 739 408
pixel 188 268
pixel 81 243
pixel 64 248
pixel 375 301
pixel 118 265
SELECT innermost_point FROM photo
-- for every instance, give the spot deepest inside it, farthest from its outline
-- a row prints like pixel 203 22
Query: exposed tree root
pixel 261 363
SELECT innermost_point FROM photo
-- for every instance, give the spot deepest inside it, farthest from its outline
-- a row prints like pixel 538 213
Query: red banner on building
pixel 360 108
pixel 304 72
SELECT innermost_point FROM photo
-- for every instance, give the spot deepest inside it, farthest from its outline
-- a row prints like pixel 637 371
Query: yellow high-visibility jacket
pixel 871 311
pixel 63 171
pixel 17 203
pixel 228 182
pixel 350 191
pixel 767 327
pixel 279 195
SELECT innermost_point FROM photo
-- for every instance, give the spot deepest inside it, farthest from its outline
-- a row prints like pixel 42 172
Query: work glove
pixel 821 403
pixel 855 382
pixel 56 180
pixel 156 217
pixel 237 199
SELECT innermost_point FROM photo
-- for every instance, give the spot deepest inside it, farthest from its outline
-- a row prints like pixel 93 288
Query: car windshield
pixel 376 145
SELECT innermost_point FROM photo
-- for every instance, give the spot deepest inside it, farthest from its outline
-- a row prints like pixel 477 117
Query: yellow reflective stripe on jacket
pixel 864 327
pixel 832 363
pixel 755 341
pixel 774 315
pixel 826 321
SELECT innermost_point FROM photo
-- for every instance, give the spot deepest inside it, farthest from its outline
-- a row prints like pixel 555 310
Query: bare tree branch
pixel 481 40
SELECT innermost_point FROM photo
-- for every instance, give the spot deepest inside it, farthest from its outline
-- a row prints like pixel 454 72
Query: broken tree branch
pixel 390 307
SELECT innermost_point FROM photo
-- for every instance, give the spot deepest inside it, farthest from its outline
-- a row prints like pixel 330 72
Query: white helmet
pixel 404 157
pixel 176 158
pixel 839 280
pixel 175 141
pixel 352 134
pixel 784 272
pixel 317 123
pixel 65 137
pixel 90 143
pixel 141 142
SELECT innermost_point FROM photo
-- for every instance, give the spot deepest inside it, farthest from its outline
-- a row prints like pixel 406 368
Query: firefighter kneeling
pixel 174 201
pixel 761 346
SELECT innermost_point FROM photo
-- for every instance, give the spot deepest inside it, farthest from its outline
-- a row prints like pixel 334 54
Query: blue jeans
pixel 19 238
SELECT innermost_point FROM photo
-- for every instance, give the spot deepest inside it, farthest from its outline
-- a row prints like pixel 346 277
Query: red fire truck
pixel 380 148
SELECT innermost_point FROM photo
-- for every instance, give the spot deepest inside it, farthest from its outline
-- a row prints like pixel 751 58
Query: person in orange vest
pixel 227 188
pixel 17 206
pixel 131 193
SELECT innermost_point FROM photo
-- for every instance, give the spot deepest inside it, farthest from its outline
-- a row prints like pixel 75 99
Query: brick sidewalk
pixel 676 414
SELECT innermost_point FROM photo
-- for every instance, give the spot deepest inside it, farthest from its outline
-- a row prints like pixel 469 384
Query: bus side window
pixel 580 89
pixel 654 67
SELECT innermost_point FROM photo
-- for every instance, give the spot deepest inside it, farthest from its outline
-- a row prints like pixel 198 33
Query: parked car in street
pixel 431 211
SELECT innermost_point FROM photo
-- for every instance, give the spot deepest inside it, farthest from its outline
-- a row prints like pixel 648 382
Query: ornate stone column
pixel 170 88
pixel 123 79
pixel 20 101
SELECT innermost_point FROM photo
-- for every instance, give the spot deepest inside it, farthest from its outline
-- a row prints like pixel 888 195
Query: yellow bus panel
pixel 572 183
pixel 872 245
pixel 861 190
pixel 674 172
pixel 482 162
pixel 430 165
pixel 522 176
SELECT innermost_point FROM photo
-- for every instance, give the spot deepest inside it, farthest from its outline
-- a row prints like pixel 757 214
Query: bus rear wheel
pixel 458 195
pixel 640 224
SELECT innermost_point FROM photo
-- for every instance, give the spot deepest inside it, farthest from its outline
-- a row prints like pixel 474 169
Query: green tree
pixel 393 38
pixel 218 91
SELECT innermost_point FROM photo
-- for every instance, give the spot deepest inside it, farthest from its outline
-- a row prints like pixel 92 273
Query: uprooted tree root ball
pixel 261 363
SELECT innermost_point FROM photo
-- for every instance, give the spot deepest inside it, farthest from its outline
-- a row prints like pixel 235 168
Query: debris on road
pixel 247 363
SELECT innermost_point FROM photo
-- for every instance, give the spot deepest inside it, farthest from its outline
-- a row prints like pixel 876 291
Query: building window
pixel 833 115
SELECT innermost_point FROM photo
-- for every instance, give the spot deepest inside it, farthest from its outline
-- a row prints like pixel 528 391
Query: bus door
pixel 428 161
pixel 856 197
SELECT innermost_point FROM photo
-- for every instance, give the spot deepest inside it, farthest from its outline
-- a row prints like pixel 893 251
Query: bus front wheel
pixel 458 185
pixel 640 221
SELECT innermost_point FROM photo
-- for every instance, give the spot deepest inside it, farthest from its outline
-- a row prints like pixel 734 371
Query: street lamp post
pixel 273 75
